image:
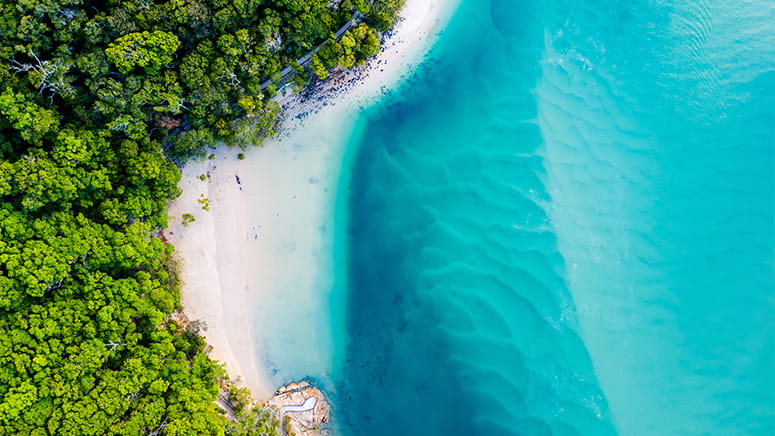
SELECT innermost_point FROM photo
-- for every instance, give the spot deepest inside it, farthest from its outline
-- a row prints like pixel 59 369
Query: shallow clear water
pixel 563 224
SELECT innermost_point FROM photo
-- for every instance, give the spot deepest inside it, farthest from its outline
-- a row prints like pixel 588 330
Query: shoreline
pixel 256 267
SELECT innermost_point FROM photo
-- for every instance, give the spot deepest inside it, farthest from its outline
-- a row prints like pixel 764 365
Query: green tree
pixel 147 50
pixel 29 119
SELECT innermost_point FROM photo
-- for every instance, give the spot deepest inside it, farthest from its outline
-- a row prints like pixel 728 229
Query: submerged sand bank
pixel 257 265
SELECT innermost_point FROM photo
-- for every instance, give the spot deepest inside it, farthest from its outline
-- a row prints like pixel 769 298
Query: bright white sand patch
pixel 258 266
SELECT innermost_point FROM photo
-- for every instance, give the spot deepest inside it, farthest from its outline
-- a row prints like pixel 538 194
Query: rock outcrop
pixel 303 407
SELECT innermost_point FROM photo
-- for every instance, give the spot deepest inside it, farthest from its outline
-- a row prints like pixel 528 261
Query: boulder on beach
pixel 302 408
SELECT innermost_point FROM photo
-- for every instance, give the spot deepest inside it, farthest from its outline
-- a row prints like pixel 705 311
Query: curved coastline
pixel 257 266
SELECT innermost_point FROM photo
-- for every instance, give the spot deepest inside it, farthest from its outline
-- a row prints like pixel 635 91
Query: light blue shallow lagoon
pixel 562 224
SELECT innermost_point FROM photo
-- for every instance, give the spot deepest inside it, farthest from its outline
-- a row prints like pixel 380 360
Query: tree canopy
pixel 148 50
pixel 98 101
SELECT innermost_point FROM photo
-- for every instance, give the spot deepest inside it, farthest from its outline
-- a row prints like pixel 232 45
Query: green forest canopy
pixel 97 99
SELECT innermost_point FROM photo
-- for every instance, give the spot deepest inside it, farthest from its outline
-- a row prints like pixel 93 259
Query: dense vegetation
pixel 95 99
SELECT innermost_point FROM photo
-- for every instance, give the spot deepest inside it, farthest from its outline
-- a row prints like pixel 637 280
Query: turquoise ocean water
pixel 562 224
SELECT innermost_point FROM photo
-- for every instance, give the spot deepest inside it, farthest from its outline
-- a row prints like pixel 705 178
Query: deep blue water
pixel 563 224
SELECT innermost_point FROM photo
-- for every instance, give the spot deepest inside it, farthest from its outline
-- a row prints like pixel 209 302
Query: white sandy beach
pixel 257 265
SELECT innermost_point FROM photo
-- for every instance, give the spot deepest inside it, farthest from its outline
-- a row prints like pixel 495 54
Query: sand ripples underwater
pixel 544 219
